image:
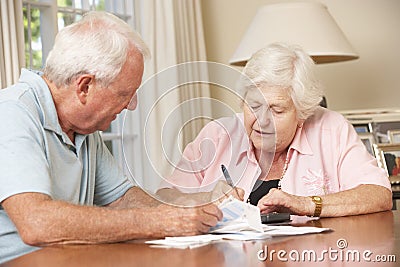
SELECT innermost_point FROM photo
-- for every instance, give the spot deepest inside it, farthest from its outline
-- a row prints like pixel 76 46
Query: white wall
pixel 372 27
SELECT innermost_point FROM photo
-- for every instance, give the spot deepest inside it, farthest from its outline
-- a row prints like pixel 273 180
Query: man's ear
pixel 83 83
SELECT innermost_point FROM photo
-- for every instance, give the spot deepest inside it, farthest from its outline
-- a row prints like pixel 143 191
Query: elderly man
pixel 58 182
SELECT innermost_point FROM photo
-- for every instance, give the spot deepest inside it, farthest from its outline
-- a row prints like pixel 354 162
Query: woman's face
pixel 270 118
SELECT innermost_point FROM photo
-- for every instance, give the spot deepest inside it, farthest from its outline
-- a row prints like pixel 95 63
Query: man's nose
pixel 133 103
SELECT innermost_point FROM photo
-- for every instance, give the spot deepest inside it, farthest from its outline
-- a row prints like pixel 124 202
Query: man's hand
pixel 222 190
pixel 278 201
pixel 188 221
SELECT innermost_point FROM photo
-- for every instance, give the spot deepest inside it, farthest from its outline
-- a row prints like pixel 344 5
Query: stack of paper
pixel 201 240
pixel 241 221
pixel 238 216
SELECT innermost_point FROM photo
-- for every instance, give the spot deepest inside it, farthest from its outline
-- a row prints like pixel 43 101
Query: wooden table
pixel 370 235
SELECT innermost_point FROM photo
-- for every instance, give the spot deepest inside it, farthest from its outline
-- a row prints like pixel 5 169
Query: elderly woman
pixel 284 151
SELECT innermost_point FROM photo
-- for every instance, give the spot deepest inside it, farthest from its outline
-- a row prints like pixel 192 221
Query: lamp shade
pixel 308 24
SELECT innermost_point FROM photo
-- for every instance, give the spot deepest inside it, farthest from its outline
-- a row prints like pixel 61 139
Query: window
pixel 67 12
pixel 33 41
pixel 44 18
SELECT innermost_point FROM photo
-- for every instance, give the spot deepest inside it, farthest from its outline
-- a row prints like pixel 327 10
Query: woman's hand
pixel 278 201
pixel 362 199
pixel 222 190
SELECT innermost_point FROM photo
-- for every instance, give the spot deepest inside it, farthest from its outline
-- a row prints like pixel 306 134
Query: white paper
pixel 241 221
pixel 238 216
pixel 293 230
pixel 184 241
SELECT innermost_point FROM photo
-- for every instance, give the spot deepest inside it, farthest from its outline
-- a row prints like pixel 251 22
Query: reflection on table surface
pixel 369 235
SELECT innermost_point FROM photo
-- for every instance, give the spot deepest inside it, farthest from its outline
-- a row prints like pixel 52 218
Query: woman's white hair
pixel 288 67
pixel 98 44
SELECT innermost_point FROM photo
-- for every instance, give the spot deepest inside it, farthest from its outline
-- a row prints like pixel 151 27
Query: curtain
pixel 172 110
pixel 11 42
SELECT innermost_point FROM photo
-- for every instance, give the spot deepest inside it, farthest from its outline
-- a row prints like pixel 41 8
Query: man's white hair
pixel 98 44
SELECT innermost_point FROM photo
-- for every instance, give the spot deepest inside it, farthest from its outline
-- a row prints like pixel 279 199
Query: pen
pixel 226 175
pixel 229 179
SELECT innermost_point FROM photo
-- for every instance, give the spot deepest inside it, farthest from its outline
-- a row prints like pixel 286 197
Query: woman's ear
pixel 83 84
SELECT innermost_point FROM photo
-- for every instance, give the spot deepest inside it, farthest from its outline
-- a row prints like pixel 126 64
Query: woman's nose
pixel 264 116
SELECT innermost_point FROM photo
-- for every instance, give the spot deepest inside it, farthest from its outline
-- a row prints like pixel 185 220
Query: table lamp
pixel 308 24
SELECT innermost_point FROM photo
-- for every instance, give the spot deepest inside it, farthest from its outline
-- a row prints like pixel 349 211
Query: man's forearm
pixel 135 197
pixel 176 197
pixel 41 221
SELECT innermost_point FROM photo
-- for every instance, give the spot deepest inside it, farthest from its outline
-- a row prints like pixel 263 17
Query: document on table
pixel 184 241
pixel 238 216
pixel 191 242
pixel 241 221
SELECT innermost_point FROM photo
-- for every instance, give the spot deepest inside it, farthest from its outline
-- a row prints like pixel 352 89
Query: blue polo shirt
pixel 37 156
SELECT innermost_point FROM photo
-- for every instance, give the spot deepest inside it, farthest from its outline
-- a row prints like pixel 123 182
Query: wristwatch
pixel 318 205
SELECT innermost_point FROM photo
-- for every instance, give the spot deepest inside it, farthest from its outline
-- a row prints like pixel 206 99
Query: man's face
pixel 104 104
